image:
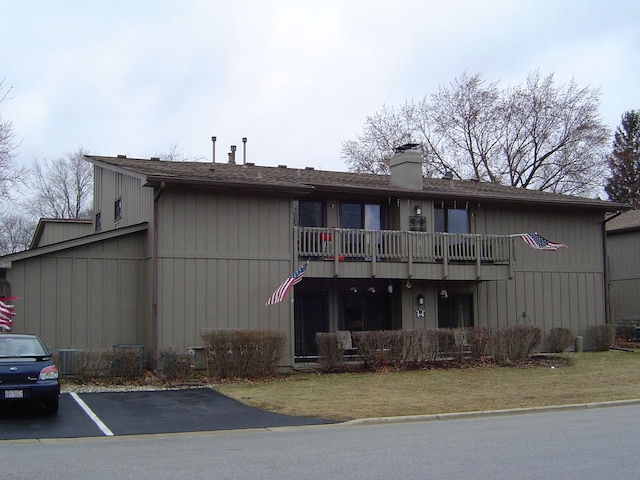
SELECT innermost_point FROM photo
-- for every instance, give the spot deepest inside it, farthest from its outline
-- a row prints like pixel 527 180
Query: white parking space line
pixel 91 415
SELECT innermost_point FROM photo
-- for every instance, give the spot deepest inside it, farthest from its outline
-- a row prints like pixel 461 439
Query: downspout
pixel 607 313
pixel 154 280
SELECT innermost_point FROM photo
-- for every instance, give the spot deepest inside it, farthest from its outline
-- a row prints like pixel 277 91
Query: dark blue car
pixel 27 373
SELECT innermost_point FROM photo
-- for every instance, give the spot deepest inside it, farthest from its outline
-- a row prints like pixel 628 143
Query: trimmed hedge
pixel 243 353
pixel 414 348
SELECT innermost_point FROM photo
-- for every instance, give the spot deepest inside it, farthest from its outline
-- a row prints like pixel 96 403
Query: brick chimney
pixel 406 167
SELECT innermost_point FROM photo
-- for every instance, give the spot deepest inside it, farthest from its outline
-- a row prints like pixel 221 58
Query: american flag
pixel 291 280
pixel 7 312
pixel 539 242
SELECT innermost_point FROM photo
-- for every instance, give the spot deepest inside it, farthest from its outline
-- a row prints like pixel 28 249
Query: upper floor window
pixel 308 213
pixel 368 216
pixel 117 210
pixel 448 218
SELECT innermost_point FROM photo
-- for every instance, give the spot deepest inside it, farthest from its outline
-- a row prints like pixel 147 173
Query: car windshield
pixel 21 347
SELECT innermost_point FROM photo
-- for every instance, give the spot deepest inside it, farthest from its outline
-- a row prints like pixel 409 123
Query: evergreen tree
pixel 624 162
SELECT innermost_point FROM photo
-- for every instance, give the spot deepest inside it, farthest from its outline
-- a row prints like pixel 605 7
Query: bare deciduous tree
pixel 538 135
pixel 10 173
pixel 16 232
pixel 177 154
pixel 63 188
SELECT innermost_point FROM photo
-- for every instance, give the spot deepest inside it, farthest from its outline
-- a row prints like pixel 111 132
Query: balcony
pixel 402 254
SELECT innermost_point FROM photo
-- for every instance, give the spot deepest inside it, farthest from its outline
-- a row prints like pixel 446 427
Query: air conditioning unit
pixel 67 361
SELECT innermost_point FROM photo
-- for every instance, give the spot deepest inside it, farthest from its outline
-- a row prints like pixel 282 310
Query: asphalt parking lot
pixel 136 413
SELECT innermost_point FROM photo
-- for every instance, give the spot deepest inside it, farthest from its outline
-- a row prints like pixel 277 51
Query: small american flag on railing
pixel 539 242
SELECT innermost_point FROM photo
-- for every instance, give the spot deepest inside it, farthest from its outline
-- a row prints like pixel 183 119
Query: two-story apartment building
pixel 179 247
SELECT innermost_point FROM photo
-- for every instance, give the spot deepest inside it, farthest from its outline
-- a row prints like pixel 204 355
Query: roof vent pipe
pixel 232 154
pixel 213 156
pixel 244 150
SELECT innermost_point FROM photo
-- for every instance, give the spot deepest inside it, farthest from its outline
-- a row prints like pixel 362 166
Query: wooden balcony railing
pixel 401 246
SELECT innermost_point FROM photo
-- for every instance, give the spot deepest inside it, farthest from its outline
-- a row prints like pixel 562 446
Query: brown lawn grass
pixel 589 377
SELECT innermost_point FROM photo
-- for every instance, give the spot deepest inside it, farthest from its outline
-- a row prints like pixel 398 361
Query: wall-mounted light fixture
pixel 444 293
pixel 420 300
pixel 390 288
pixel 418 210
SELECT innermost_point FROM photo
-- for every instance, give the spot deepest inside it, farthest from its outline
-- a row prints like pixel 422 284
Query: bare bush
pixel 600 337
pixel 626 327
pixel 514 344
pixel 175 366
pixel 420 346
pixel 379 348
pixel 478 341
pixel 244 353
pixel 559 339
pixel 92 364
pixel 330 351
pixel 127 361
pixel 446 341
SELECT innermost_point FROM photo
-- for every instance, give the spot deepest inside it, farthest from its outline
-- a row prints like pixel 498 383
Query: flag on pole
pixel 539 242
pixel 291 280
pixel 7 312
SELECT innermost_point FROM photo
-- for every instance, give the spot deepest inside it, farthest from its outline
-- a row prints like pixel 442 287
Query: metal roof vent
pixel 405 147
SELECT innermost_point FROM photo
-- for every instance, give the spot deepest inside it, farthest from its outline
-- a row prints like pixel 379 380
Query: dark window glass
pixel 117 213
pixel 98 222
pixel 455 311
pixel 351 215
pixel 309 214
pixel 451 220
pixel 368 216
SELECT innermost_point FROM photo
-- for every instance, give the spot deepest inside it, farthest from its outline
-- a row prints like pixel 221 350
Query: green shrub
pixel 559 339
pixel 600 337
pixel 330 351
pixel 243 353
pixel 175 366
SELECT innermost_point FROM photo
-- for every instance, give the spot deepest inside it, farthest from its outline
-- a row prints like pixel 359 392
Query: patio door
pixel 310 318
pixel 365 311
pixel 455 310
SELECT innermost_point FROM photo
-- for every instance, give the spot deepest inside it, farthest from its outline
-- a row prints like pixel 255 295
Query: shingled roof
pixel 252 177
pixel 626 222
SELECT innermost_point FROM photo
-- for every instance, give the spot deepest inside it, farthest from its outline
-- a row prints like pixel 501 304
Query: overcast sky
pixel 296 78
